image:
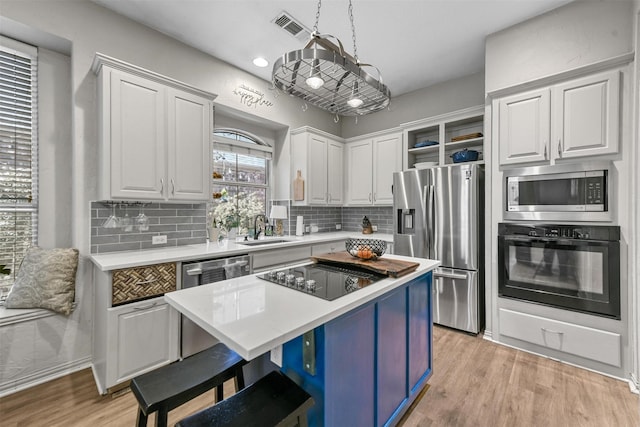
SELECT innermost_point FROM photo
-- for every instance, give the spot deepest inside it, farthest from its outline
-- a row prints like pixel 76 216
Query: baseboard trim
pixel 44 376
pixel 634 386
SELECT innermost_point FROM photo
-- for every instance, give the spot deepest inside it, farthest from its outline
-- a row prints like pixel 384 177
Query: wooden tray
pixel 464 137
pixel 386 266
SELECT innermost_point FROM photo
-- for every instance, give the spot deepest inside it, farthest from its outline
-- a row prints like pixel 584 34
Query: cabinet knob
pixel 161 185
pixel 545 151
pixel 559 148
pixel 173 187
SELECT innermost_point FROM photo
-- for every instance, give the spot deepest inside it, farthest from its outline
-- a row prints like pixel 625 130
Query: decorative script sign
pixel 251 97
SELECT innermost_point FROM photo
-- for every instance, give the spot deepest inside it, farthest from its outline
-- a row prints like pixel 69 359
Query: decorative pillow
pixel 46 279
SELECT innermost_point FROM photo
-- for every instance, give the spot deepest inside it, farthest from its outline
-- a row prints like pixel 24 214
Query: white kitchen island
pixel 372 347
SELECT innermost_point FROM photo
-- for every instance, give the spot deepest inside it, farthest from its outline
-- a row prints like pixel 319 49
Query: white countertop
pixel 126 259
pixel 252 316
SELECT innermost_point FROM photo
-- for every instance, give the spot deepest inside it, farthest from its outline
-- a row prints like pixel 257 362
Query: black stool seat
pixel 170 386
pixel 274 400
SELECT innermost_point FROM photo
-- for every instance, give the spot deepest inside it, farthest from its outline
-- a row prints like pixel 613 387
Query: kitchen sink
pixel 261 242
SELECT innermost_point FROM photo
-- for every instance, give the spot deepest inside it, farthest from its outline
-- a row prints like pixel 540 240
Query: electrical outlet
pixel 338 226
pixel 374 228
pixel 158 240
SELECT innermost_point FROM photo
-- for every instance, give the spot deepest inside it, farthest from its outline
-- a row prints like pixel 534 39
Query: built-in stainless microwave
pixel 568 192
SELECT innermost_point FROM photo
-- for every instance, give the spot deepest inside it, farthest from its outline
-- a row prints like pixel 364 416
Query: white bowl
pixel 423 165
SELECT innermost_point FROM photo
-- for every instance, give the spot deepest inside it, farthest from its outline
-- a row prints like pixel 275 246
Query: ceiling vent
pixel 292 26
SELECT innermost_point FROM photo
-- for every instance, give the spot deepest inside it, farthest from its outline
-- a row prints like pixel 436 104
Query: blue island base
pixel 371 363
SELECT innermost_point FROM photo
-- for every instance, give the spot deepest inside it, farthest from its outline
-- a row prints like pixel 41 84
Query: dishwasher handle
pixel 194 271
pixel 237 264
pixel 197 271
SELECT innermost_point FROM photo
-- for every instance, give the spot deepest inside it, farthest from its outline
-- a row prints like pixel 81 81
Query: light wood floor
pixel 475 383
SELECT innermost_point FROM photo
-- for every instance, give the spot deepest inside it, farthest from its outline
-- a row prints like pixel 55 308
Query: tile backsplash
pixel 381 216
pixel 184 224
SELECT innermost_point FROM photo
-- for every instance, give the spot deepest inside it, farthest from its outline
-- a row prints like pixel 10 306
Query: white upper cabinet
pixel 577 118
pixel 359 171
pixel 370 165
pixel 135 135
pixel 335 168
pixel 320 159
pixel 155 135
pixel 588 115
pixel 189 160
pixel 387 159
pixel 524 127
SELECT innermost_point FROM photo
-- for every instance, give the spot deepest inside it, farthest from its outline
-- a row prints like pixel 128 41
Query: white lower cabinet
pixel 141 336
pixel 134 329
pixel 594 344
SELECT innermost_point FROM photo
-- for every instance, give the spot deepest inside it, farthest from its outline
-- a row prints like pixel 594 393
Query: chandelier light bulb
pixel 355 100
pixel 314 81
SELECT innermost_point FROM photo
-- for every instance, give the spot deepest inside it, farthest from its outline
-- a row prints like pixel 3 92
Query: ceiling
pixel 414 43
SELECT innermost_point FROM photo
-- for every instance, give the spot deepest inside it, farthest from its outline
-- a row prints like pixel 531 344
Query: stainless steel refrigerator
pixel 439 214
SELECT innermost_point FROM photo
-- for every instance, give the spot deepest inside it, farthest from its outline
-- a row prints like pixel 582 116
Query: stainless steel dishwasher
pixel 194 338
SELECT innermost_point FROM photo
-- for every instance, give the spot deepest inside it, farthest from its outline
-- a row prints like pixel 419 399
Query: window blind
pixel 18 155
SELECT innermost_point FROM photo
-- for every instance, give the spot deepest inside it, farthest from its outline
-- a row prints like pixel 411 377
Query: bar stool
pixel 170 386
pixel 274 400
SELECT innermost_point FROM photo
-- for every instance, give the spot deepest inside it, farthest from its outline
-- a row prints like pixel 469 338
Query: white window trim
pixel 259 149
pixel 21 49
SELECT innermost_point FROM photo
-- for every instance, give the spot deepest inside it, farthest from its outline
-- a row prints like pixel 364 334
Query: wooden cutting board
pixel 386 266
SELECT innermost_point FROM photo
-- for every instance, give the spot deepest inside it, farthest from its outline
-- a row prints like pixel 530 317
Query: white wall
pixel 442 98
pixel 580 33
pixel 576 35
pixel 54 145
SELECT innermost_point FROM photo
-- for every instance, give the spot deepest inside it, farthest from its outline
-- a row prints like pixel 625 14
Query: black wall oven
pixel 566 266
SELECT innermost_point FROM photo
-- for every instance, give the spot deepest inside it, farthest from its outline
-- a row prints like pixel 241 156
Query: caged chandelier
pixel 324 75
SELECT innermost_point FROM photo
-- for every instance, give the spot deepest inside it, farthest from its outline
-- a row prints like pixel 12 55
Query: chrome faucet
pixel 256 230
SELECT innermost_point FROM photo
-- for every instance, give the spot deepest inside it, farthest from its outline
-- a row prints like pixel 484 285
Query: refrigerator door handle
pixel 450 276
pixel 426 218
pixel 430 226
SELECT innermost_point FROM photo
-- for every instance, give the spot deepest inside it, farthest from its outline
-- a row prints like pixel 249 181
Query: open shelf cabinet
pixel 442 129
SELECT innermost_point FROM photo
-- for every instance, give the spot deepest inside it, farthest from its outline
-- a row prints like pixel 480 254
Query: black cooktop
pixel 322 280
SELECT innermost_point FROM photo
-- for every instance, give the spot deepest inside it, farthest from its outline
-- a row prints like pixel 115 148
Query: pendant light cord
pixel 315 27
pixel 353 32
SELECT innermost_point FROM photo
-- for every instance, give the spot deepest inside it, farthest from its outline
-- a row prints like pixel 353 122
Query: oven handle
pixel 567 242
